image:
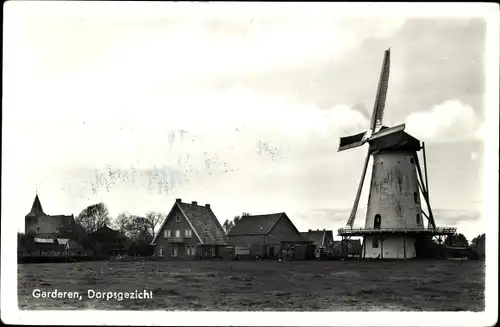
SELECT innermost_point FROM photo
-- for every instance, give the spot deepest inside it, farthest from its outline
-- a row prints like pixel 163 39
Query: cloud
pixel 202 123
pixel 142 43
pixel 144 148
pixel 449 121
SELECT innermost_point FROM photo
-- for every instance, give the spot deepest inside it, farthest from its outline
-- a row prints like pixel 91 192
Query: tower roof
pixel 395 141
pixel 36 208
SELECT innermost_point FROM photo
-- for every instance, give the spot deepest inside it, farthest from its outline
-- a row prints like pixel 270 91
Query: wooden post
pixel 426 193
pixel 405 247
pixel 364 248
pixel 381 246
pixel 342 247
pixel 425 170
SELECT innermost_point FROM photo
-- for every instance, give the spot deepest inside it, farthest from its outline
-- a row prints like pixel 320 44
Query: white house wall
pixel 393 247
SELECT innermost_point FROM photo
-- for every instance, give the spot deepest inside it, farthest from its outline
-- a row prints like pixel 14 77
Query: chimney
pixel 194 203
pixel 178 200
pixel 207 205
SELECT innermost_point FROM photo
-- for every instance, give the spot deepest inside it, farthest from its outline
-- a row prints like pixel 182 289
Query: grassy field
pixel 262 286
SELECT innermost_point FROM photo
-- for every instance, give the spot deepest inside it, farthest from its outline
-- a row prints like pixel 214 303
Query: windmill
pixel 394 212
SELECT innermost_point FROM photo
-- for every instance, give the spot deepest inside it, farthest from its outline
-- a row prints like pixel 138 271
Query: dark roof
pixel 398 140
pixel 79 232
pixel 255 225
pixel 51 225
pixel 317 236
pixel 204 222
pixel 105 234
pixel 36 208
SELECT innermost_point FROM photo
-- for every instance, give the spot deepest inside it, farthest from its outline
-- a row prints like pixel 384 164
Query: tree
pixel 154 219
pixel 228 225
pixel 479 245
pixel 94 217
pixel 121 222
pixel 478 240
pixel 139 229
pixel 457 239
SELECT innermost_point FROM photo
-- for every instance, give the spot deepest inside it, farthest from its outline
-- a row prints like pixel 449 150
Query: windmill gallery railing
pixel 422 230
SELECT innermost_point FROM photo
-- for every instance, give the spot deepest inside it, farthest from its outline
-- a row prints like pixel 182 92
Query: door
pixel 175 251
pixel 271 252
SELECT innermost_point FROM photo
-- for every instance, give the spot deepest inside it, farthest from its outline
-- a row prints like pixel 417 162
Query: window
pixel 174 251
pixel 161 252
pixel 190 250
pixel 168 233
pixel 377 221
pixel 415 197
pixel 177 233
pixel 375 243
pixel 187 233
pixel 177 219
pixel 212 251
pixel 418 219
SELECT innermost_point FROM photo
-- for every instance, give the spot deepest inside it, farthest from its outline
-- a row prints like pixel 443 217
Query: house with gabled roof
pixel 352 247
pixel 190 231
pixel 323 239
pixel 270 236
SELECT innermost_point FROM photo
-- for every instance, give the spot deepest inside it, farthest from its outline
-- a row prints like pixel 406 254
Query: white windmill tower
pixel 394 214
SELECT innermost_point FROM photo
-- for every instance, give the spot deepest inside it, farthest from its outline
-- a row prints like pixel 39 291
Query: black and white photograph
pixel 250 163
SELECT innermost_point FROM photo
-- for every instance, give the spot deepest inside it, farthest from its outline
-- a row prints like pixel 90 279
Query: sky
pixel 140 104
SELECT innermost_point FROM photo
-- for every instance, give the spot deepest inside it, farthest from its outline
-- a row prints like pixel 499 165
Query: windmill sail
pixel 350 222
pixel 378 108
pixel 375 125
pixel 349 142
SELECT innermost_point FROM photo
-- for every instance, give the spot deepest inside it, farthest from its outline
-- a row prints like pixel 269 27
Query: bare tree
pixel 139 229
pixel 154 219
pixel 121 222
pixel 228 225
pixel 94 217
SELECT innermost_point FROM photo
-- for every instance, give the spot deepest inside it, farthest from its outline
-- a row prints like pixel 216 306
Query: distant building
pixel 44 231
pixel 43 225
pixel 322 239
pixel 190 231
pixel 352 248
pixel 110 242
pixel 269 236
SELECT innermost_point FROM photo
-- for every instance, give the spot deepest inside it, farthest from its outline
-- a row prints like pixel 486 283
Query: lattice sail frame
pixel 375 126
